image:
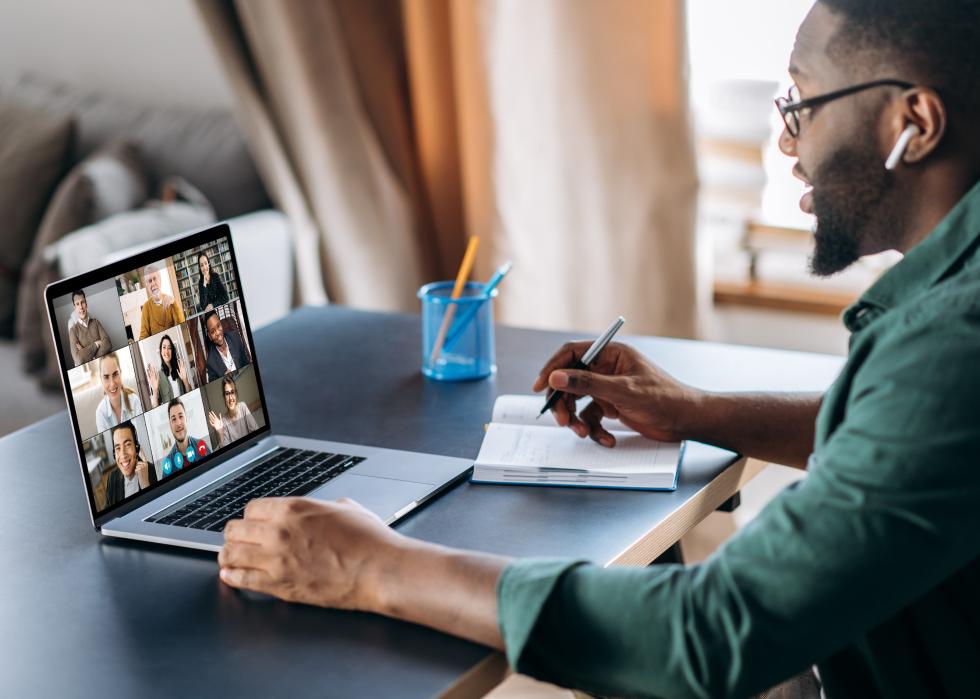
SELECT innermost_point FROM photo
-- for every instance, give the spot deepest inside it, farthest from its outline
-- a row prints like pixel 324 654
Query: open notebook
pixel 518 448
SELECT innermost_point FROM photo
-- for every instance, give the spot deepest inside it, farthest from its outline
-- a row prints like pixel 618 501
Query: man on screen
pixel 87 338
pixel 161 311
pixel 186 448
pixel 133 473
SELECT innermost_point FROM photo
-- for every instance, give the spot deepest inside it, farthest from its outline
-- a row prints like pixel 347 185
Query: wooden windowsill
pixel 782 297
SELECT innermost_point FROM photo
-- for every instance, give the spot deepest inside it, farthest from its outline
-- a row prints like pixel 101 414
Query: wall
pixel 153 51
pixel 803 332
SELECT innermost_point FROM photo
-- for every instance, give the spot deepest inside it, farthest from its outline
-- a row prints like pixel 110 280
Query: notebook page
pixel 523 410
pixel 535 447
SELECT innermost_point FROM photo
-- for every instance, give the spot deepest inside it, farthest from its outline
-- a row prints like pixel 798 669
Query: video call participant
pixel 132 473
pixel 118 403
pixel 87 338
pixel 178 428
pixel 161 311
pixel 227 351
pixel 211 292
pixel 171 381
pixel 237 420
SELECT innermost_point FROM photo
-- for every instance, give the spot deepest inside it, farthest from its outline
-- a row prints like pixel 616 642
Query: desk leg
pixel 672 555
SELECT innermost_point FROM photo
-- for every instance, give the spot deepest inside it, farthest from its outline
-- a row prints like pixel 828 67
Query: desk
pixel 87 616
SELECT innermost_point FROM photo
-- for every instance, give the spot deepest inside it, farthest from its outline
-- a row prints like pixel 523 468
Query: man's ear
pixel 924 108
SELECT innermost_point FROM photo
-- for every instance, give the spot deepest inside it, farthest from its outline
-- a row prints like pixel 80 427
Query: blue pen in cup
pixel 459 327
pixel 472 354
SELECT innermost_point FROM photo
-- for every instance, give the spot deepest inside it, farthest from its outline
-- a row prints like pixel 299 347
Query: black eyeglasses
pixel 790 106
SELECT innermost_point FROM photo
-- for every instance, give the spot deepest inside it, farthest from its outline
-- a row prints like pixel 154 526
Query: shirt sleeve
pixel 825 561
pixel 72 339
pixel 104 339
pixel 145 320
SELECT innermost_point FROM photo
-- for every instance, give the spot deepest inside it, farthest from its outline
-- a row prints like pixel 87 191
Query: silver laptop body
pixel 390 483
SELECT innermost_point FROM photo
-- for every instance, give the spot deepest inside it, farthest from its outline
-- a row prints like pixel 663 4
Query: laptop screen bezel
pixel 65 286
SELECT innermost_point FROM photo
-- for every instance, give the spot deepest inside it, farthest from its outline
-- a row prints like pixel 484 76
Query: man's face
pixel 851 195
pixel 81 307
pixel 178 425
pixel 153 283
pixel 215 331
pixel 111 377
pixel 124 451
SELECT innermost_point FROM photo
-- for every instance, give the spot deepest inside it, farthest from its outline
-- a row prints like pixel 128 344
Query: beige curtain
pixel 557 130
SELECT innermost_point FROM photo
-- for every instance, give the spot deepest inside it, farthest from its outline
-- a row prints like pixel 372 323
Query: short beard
pixel 851 201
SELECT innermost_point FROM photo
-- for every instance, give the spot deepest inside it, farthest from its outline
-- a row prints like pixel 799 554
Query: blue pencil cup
pixel 463 329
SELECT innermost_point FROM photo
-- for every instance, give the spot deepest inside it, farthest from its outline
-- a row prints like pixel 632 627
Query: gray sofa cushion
pixel 33 156
pixel 204 146
pixel 108 182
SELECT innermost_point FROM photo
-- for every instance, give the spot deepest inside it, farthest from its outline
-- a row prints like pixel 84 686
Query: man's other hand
pixel 624 385
pixel 304 550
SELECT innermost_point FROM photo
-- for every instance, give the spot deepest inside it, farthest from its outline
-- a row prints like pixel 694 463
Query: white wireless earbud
pixel 910 132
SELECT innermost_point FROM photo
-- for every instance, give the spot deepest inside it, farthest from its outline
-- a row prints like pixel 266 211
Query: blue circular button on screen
pixel 191 454
pixel 179 460
pixel 167 466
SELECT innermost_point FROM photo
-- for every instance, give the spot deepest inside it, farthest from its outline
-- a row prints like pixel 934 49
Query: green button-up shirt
pixel 869 567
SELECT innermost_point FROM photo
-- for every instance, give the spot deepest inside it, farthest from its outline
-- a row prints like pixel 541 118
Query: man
pixel 133 473
pixel 870 566
pixel 160 311
pixel 186 449
pixel 227 351
pixel 87 338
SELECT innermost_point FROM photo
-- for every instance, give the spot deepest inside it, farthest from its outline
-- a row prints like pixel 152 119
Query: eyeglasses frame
pixel 789 110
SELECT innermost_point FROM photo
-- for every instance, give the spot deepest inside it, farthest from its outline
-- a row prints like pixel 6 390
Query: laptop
pixel 169 417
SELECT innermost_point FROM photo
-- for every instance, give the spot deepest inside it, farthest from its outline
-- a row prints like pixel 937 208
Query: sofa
pixel 201 149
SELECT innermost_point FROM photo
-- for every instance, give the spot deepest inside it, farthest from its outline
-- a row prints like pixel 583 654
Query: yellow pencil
pixel 464 273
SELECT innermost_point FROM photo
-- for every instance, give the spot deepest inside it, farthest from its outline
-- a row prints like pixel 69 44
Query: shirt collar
pixel 924 265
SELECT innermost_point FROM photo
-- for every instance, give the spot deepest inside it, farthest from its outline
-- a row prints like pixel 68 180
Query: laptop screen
pixel 159 366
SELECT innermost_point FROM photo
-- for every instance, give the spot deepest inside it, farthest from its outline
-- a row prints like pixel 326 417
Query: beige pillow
pixel 34 149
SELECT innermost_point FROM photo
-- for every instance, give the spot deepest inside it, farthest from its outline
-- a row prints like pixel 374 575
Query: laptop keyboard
pixel 283 472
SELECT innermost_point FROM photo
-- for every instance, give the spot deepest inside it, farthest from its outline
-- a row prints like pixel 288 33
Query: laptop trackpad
pixel 383 496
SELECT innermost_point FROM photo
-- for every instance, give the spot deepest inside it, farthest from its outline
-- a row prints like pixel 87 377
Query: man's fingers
pixel 237 554
pixel 586 383
pixel 565 356
pixel 591 416
pixel 608 409
pixel 263 508
pixel 250 531
pixel 248 579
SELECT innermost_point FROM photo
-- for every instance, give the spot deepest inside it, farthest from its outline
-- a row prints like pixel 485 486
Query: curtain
pixel 557 131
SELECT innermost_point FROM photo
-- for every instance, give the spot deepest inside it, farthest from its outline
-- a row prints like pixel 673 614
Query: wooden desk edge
pixel 493 670
pixel 669 531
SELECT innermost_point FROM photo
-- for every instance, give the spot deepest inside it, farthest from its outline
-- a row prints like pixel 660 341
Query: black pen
pixel 586 359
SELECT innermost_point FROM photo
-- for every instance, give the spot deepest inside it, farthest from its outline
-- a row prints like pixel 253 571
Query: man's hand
pixel 78 346
pixel 143 473
pixel 302 550
pixel 623 384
